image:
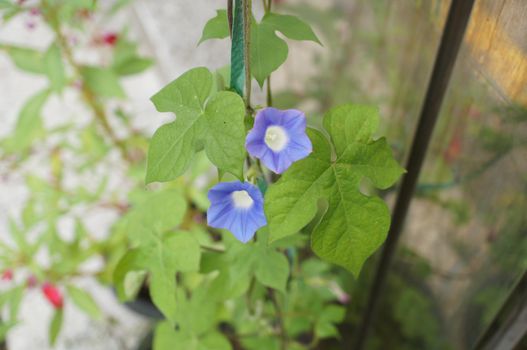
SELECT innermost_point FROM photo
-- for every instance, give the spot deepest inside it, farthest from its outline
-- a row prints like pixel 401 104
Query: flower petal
pixel 243 222
pixel 298 146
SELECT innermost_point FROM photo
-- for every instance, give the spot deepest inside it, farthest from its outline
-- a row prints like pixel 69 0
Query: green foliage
pixel 84 301
pixel 325 325
pixel 126 60
pixel 216 28
pixel 155 214
pixel 166 338
pixel 291 26
pixel 55 326
pixel 268 51
pixel 54 68
pixel 213 122
pixel 104 82
pixel 156 254
pixel 354 225
pixel 27 59
pixel 29 123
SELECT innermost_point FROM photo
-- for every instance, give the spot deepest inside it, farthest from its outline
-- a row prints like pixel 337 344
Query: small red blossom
pixel 7 275
pixel 53 295
pixel 110 39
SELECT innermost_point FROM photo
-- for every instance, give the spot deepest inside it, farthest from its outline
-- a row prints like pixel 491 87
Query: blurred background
pixel 464 246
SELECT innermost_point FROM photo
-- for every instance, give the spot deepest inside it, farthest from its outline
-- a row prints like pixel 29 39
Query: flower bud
pixel 53 294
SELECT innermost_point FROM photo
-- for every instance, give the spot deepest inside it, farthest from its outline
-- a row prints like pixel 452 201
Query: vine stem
pixel 280 318
pixel 229 16
pixel 247 12
pixel 267 7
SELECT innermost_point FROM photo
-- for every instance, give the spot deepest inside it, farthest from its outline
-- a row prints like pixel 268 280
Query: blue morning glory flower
pixel 238 207
pixel 279 138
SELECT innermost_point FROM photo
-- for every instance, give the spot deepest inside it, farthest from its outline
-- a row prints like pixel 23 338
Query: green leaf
pixel 29 123
pixel 126 61
pixel 15 297
pixel 216 125
pixel 268 51
pixel 156 214
pixel 162 258
pixel 291 26
pixel 103 82
pixel 325 324
pixel 354 224
pixel 54 67
pixel 84 301
pixel 216 28
pixel 166 338
pixel 272 270
pixel 214 341
pixel 27 59
pixel 133 65
pixel 55 326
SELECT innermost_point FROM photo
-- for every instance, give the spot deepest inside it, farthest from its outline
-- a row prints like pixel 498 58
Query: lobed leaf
pixel 162 258
pixel 268 51
pixel 354 224
pixel 215 124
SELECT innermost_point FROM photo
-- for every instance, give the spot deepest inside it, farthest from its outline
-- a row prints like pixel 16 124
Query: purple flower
pixel 238 207
pixel 279 138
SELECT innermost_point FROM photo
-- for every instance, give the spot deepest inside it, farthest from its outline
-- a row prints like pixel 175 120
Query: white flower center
pixel 242 199
pixel 276 138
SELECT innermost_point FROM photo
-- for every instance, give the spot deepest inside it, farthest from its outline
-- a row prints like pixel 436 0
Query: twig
pixel 229 16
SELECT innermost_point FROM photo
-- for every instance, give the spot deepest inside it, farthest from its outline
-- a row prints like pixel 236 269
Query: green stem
pixel 280 319
pixel 267 7
pixel 247 12
pixel 269 93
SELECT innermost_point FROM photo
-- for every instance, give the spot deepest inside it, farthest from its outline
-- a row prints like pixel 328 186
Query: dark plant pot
pixel 144 306
pixel 147 342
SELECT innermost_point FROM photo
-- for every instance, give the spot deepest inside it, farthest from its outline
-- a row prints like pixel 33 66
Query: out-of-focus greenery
pixel 65 168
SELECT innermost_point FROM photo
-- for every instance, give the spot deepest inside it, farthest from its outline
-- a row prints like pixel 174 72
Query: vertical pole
pixel 456 24
pixel 237 49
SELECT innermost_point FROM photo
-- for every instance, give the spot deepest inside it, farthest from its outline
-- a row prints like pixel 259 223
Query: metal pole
pixel 456 24
pixel 510 324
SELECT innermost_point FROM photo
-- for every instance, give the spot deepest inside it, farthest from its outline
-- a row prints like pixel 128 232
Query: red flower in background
pixel 7 275
pixel 110 39
pixel 53 295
